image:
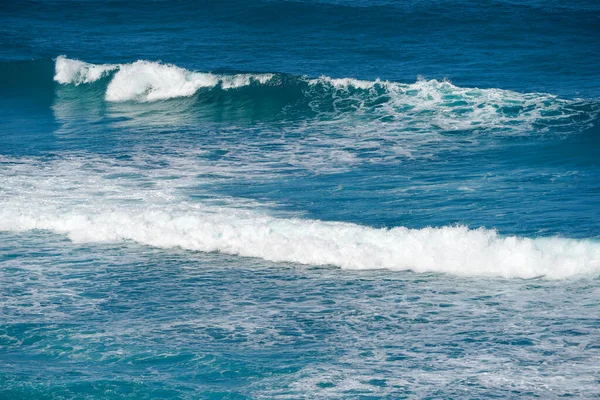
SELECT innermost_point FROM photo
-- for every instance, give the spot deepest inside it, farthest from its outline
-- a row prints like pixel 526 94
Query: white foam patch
pixel 346 83
pixel 454 250
pixel 77 72
pixel 148 81
pixel 100 201
pixel 432 105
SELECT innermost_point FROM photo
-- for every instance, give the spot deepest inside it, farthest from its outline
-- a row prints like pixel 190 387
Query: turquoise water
pixel 299 200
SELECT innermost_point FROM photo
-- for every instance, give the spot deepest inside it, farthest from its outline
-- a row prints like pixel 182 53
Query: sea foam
pixel 423 106
pixel 148 81
pixel 452 249
pixel 98 200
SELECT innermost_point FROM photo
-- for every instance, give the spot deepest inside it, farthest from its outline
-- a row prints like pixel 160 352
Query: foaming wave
pixel 93 200
pixel 79 72
pixel 433 105
pixel 148 81
pixel 455 250
pixel 424 106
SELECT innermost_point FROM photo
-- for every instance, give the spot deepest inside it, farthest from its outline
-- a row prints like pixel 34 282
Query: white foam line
pixel 82 198
pixel 454 250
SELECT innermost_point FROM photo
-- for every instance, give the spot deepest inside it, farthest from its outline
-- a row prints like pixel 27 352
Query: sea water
pixel 299 199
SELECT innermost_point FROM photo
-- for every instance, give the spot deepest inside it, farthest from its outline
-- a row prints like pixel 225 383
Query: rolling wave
pixel 148 81
pixel 423 105
pixel 101 201
pixel 455 250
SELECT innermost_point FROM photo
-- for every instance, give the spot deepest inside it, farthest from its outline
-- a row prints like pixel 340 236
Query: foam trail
pixel 81 198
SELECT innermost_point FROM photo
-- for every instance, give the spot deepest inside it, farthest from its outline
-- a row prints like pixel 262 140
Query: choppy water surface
pixel 299 200
pixel 131 321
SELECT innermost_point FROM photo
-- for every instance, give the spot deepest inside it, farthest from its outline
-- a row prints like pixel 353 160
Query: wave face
pixel 100 200
pixel 421 106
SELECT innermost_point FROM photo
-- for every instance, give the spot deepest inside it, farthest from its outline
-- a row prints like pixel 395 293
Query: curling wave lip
pixel 148 81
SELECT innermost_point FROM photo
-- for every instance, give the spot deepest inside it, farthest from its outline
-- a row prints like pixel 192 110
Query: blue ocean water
pixel 299 199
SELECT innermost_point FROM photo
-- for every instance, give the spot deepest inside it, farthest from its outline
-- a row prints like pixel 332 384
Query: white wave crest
pixel 103 200
pixel 78 72
pixel 454 250
pixel 346 83
pixel 423 106
pixel 148 81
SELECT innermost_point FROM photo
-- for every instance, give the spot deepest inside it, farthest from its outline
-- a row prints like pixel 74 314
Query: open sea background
pixel 299 199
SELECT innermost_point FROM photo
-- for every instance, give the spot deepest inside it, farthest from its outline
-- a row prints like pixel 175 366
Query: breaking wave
pixel 455 250
pixel 148 81
pixel 98 201
pixel 423 105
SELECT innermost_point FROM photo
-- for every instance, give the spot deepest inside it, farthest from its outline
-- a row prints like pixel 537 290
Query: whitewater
pixel 106 200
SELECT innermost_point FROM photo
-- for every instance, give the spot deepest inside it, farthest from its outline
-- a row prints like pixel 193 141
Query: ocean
pixel 299 199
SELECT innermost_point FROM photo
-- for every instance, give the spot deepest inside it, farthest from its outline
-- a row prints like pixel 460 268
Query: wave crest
pixel 148 81
pixel 454 250
pixel 424 106
pixel 104 200
pixel 80 72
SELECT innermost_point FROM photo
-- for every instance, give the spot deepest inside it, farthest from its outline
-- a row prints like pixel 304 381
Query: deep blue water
pixel 307 199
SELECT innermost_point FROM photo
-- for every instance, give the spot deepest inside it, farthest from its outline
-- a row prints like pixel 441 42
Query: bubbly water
pixel 308 199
